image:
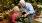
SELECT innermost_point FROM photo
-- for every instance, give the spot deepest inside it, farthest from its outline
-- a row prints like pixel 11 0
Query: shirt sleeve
pixel 31 10
pixel 22 9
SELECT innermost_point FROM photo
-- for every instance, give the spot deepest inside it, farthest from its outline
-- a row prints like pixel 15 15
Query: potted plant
pixel 1 17
pixel 38 12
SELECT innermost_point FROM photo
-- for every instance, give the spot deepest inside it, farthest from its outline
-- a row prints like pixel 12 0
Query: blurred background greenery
pixel 9 4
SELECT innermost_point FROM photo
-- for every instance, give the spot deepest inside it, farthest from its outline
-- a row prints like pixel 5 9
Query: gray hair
pixel 22 1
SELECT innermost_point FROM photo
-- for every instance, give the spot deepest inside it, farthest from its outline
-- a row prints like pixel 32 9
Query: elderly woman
pixel 16 14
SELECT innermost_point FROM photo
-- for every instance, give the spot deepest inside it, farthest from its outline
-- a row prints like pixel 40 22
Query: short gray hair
pixel 22 1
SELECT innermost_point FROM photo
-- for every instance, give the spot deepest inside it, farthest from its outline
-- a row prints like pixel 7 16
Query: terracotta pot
pixel 38 13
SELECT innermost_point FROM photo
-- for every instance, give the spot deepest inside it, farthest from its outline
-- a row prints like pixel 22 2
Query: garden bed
pixel 4 21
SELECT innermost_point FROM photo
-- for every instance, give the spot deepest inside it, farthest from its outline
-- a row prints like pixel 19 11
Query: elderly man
pixel 28 9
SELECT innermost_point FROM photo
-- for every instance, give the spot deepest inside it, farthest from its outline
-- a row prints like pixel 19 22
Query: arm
pixel 22 10
pixel 31 10
pixel 26 14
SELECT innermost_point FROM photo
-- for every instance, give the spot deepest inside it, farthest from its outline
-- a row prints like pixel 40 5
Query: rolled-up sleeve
pixel 31 10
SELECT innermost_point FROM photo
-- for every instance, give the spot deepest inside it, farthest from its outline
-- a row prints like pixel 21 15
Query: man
pixel 28 9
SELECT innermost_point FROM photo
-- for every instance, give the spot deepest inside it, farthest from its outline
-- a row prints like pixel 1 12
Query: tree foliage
pixel 15 1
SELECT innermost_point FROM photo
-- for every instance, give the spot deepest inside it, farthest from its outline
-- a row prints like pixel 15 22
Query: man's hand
pixel 25 15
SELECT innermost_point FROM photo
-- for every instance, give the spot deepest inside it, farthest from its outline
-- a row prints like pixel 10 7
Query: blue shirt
pixel 28 8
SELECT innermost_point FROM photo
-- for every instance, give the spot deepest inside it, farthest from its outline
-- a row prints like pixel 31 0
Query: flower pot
pixel 38 13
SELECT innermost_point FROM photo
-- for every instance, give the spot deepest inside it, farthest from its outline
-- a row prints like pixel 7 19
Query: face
pixel 23 4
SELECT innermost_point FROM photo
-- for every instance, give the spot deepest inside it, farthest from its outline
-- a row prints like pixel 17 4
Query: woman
pixel 16 14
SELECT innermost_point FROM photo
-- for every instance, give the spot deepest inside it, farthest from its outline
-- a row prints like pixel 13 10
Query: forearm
pixel 26 14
